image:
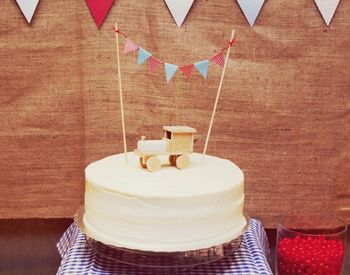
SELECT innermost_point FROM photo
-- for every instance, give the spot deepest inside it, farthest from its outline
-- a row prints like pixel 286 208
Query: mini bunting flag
pixel 129 46
pixel 143 56
pixel 179 9
pixel 327 9
pixel 187 70
pixel 28 8
pixel 170 70
pixel 251 9
pixel 99 10
pixel 153 64
pixel 218 59
pixel 202 67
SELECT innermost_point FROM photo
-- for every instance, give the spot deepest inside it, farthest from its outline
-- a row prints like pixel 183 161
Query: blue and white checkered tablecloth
pixel 252 257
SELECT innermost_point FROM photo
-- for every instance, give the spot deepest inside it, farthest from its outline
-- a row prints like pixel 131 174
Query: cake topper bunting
pixel 187 70
pixel 169 68
pixel 143 56
pixel 153 64
pixel 129 46
pixel 202 67
pixel 218 59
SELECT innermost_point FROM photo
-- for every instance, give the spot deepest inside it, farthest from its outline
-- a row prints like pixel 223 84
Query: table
pixel 252 257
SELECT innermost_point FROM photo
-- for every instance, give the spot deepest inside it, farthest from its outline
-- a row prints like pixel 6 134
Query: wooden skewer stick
pixel 121 95
pixel 217 99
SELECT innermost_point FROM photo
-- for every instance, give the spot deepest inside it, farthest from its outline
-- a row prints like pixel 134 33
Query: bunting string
pixel 154 63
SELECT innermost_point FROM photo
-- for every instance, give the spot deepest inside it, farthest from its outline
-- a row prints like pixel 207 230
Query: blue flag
pixel 202 67
pixel 251 9
pixel 143 56
pixel 170 70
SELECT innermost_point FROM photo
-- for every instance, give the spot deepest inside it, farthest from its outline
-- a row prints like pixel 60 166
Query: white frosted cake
pixel 169 210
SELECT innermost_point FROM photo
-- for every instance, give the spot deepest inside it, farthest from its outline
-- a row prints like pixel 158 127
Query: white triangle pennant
pixel 327 9
pixel 251 9
pixel 179 9
pixel 28 8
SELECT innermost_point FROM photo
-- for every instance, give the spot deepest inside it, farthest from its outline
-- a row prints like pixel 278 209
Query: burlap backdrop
pixel 284 114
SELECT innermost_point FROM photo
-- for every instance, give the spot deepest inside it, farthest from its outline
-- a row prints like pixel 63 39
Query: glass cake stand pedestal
pixel 159 261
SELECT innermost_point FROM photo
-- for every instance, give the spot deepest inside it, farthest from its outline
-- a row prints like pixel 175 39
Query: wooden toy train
pixel 177 143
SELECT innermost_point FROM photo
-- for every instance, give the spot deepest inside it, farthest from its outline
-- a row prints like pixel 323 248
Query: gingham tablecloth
pixel 252 257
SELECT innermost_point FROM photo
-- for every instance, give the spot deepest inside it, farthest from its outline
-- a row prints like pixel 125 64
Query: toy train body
pixel 177 143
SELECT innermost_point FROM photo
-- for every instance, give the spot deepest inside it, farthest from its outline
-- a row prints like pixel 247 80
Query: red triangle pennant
pixel 129 46
pixel 187 70
pixel 218 59
pixel 153 64
pixel 99 10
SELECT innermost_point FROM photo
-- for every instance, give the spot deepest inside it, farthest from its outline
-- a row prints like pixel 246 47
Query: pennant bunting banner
pixel 153 64
pixel 143 56
pixel 218 59
pixel 187 70
pixel 327 9
pixel 99 10
pixel 202 67
pixel 170 70
pixel 28 8
pixel 251 9
pixel 129 46
pixel 179 9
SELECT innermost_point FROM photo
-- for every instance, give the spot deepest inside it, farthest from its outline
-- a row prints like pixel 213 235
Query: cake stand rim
pixel 78 220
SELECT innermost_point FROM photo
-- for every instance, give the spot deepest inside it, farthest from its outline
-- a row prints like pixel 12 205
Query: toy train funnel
pixel 177 143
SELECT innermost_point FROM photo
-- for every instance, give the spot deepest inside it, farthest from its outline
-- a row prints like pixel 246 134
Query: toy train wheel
pixel 183 162
pixel 143 163
pixel 172 160
pixel 153 164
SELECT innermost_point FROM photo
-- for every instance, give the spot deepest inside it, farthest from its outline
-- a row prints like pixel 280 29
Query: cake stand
pixel 160 261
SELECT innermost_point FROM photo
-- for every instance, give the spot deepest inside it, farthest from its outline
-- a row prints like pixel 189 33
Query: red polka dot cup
pixel 310 244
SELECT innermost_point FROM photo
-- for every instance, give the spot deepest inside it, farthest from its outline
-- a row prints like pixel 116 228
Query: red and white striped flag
pixel 218 59
pixel 153 64
pixel 187 70
pixel 129 46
